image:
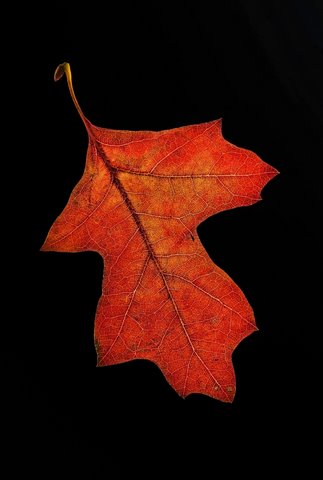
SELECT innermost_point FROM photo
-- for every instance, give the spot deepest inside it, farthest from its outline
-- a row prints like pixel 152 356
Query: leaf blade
pixel 138 204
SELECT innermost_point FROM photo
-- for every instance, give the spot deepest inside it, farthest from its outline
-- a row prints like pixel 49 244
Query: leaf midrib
pixel 151 253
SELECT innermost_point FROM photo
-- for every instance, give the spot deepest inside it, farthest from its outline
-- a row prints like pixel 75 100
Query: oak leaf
pixel 139 202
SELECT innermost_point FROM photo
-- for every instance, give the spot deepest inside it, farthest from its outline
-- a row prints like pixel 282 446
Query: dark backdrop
pixel 259 65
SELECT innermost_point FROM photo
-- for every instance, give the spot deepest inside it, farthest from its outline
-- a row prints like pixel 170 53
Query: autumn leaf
pixel 139 202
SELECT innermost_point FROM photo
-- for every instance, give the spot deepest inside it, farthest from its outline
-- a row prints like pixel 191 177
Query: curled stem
pixel 64 68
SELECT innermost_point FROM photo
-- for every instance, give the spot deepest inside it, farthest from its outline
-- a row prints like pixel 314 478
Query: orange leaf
pixel 138 204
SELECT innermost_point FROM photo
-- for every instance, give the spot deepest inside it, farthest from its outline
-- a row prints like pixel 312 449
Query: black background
pixel 259 66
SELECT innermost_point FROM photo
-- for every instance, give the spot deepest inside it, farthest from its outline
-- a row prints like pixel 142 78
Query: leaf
pixel 138 203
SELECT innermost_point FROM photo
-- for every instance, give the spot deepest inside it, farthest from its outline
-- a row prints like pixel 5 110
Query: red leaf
pixel 138 204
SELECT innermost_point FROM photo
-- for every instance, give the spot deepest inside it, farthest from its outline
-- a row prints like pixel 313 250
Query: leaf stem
pixel 64 68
